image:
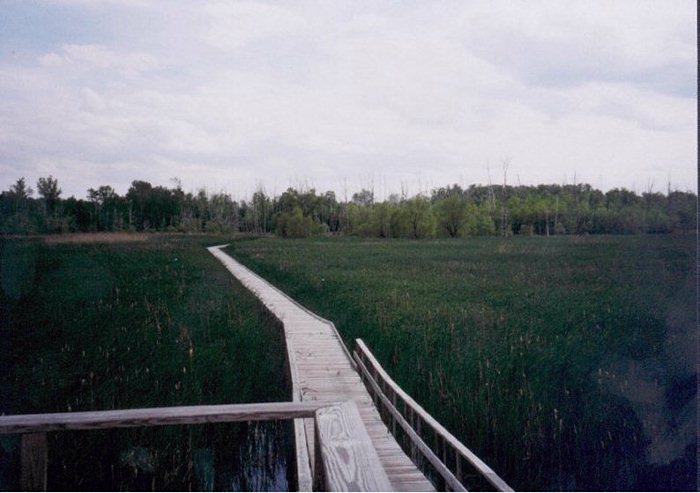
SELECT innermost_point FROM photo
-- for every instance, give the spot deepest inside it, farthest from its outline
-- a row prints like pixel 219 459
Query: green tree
pixel 293 224
pixel 479 220
pixel 20 190
pixel 17 203
pixel 262 211
pixel 223 214
pixel 157 208
pixel 682 210
pixel 451 214
pixel 329 211
pixel 381 219
pixel 446 192
pixel 417 217
pixel 48 189
pixel 358 220
pixel 109 208
pixel 363 198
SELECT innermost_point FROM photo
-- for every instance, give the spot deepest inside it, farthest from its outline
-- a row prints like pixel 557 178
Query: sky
pixel 385 95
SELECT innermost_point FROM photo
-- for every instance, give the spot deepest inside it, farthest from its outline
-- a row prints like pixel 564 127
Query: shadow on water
pixel 256 456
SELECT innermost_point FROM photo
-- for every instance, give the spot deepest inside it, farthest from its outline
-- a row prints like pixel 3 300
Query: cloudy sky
pixel 342 95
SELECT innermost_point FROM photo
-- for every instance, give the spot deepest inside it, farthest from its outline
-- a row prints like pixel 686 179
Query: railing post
pixel 445 446
pixel 319 481
pixel 34 452
pixel 411 421
pixel 444 451
pixel 417 423
pixel 458 467
pixel 393 419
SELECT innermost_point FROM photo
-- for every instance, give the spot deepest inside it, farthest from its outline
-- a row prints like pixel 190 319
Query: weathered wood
pixel 157 416
pixel 450 439
pixel 417 427
pixel 350 462
pixel 327 373
pixel 226 260
pixel 319 483
pixel 34 459
pixel 458 468
pixel 444 451
pixel 303 458
pixel 411 422
pixel 393 419
pixel 416 441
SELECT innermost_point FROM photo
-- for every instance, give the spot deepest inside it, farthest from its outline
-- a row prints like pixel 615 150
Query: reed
pixel 558 360
pixel 99 325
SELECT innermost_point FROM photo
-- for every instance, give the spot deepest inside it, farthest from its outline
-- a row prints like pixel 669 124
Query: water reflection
pixel 263 462
pixel 256 456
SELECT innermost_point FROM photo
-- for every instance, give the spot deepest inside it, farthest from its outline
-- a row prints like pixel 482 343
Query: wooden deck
pixel 323 370
pixel 349 461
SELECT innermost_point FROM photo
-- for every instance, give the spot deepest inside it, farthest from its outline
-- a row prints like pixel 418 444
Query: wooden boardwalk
pixel 324 371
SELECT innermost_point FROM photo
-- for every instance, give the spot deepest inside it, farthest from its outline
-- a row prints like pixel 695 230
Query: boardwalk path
pixel 326 372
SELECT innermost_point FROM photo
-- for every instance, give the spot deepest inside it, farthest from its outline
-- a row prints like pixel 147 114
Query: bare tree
pixel 504 205
pixel 492 196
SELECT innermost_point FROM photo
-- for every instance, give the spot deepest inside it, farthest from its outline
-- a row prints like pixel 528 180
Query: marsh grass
pixel 564 362
pixel 103 325
pixel 90 238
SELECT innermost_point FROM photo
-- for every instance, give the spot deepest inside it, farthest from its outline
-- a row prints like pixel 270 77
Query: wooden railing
pixel 451 460
pixel 346 459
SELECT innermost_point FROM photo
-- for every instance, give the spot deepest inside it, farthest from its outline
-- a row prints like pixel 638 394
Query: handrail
pixel 378 378
pixel 441 468
pixel 347 458
pixel 157 416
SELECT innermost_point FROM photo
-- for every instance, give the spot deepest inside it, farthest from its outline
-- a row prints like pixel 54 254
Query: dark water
pixel 254 456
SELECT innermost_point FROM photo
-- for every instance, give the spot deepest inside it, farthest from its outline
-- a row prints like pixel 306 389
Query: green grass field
pixel 565 362
pixel 154 322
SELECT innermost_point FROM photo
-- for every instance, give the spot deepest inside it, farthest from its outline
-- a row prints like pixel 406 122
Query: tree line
pixel 450 211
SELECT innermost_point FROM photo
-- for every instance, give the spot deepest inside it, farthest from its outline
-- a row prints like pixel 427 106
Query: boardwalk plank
pixel 342 437
pixel 325 371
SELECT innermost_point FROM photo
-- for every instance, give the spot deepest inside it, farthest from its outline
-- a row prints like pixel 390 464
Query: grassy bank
pixel 565 362
pixel 99 325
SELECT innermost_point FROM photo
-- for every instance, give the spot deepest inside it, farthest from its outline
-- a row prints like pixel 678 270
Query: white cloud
pixel 566 43
pixel 104 3
pixel 94 57
pixel 233 25
pixel 235 93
